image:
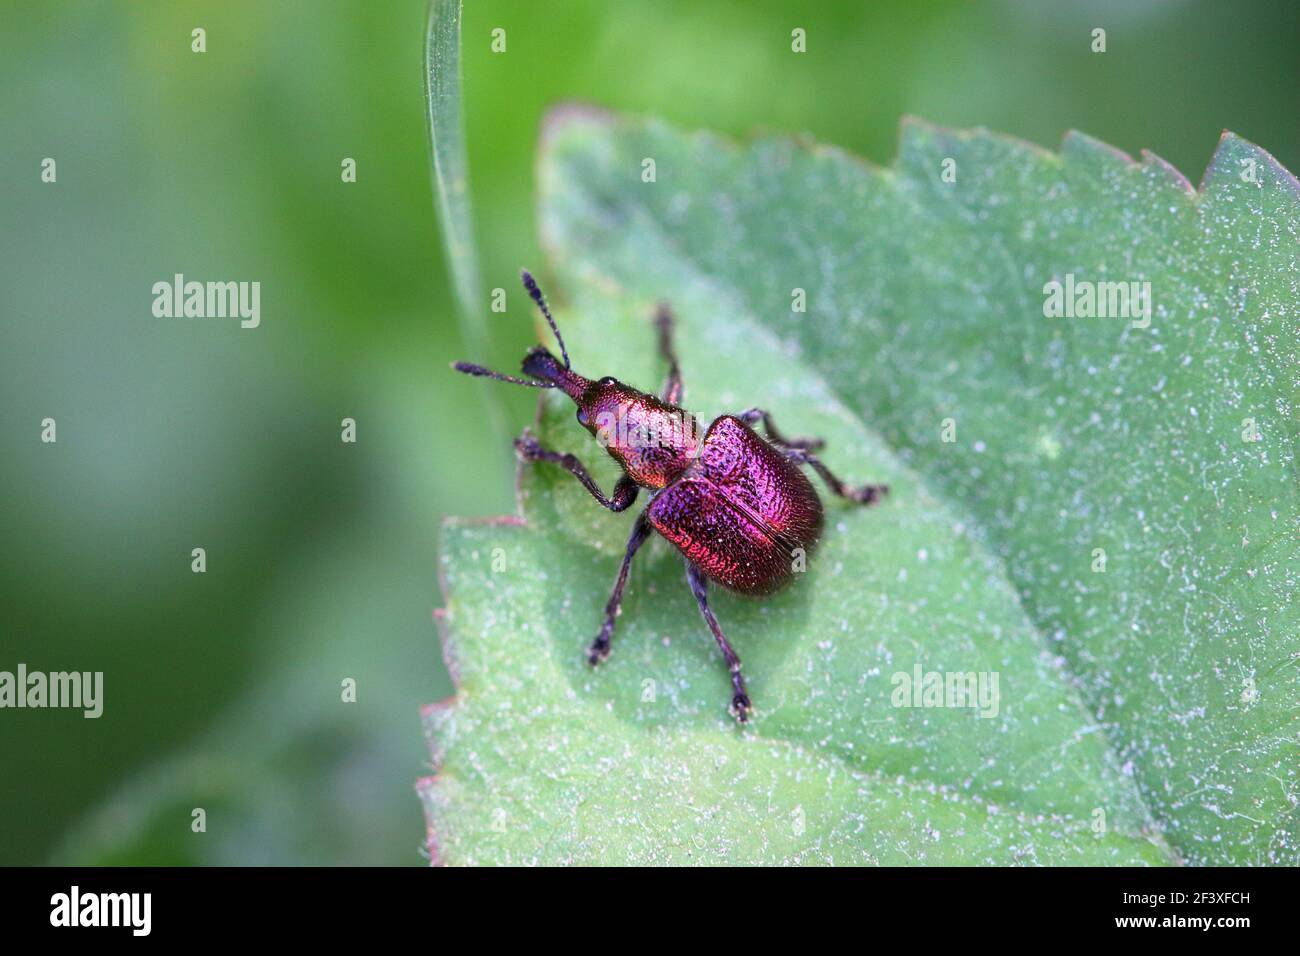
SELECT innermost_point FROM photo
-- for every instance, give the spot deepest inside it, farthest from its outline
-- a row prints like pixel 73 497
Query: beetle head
pixel 606 406
pixel 604 401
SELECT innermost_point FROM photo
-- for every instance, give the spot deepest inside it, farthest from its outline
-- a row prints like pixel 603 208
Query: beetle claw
pixel 526 446
pixel 598 652
pixel 741 708
pixel 869 494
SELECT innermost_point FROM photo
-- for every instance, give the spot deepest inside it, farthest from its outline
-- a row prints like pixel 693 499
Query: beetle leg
pixel 863 495
pixel 599 649
pixel 740 705
pixel 774 436
pixel 529 449
pixel 672 390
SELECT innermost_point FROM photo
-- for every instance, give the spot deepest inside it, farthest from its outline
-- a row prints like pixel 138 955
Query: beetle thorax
pixel 653 441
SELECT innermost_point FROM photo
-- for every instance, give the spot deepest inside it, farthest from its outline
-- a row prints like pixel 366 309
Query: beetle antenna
pixel 531 285
pixel 479 370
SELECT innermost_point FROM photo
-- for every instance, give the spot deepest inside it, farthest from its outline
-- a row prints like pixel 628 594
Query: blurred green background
pixel 223 689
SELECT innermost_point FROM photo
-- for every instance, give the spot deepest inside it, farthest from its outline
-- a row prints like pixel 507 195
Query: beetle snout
pixel 541 364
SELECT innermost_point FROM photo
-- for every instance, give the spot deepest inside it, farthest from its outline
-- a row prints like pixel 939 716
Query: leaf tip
pixel 1231 154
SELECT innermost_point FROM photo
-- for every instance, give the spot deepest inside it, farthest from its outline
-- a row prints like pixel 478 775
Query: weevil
pixel 736 505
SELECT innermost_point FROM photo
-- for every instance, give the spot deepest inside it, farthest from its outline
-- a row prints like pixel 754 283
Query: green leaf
pixel 1147 712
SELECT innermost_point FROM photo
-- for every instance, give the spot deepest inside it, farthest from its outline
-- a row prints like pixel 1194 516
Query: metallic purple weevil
pixel 735 505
